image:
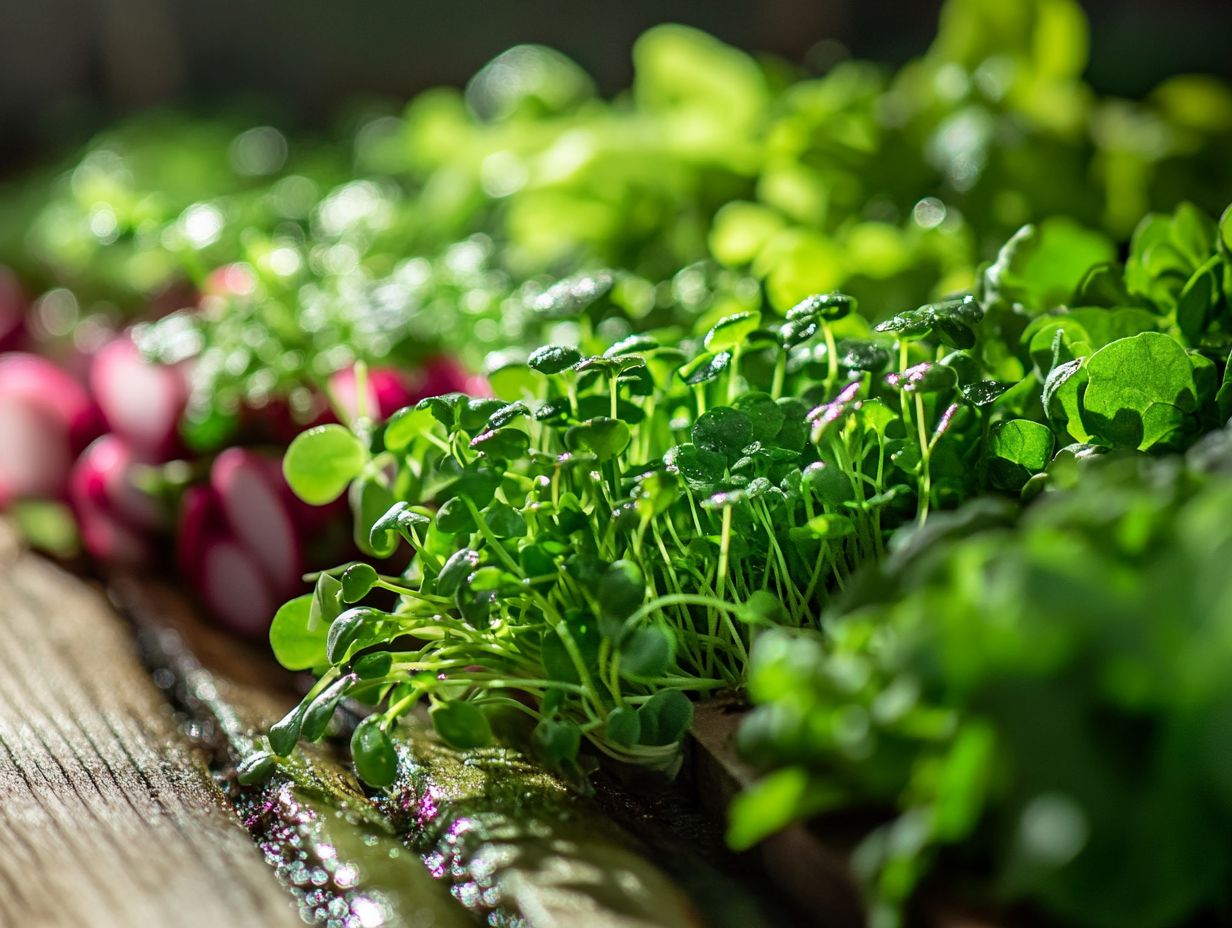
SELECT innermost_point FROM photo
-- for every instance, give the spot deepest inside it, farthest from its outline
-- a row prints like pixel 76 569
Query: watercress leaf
pixel 369 499
pixel 460 724
pixel 455 516
pixel 665 717
pixel 514 382
pixel 477 482
pixel 621 589
pixel 399 521
pixel 824 305
pixel 357 582
pixel 284 734
pixel 647 653
pixel 505 521
pixel 321 462
pixel 1062 397
pixel 828 483
pixel 346 631
pixel 927 377
pixel 326 602
pixel 793 433
pixel 765 414
pixel 762 608
pixel 506 414
pixel 982 392
pixel 604 437
pixel 655 492
pixel 504 444
pixel 700 468
pixel 556 742
pixel 372 666
pixel 376 761
pixel 1140 392
pixel 1017 449
pixel 863 355
pixel 731 331
pixel 406 425
pixel 632 344
pixel 256 768
pixel 297 644
pixel 461 564
pixel 723 430
pixel 705 368
pixel 552 359
pixel 474 413
pixel 321 710
pixel 624 726
pixel 573 296
pixel 446 408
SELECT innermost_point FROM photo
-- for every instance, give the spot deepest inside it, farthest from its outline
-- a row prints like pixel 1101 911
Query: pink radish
pixel 141 400
pixel 45 418
pixel 103 477
pixel 110 541
pixel 200 521
pixel 234 589
pixel 252 501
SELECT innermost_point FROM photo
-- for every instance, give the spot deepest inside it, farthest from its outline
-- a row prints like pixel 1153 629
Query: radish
pixel 142 401
pixel 226 576
pixel 45 418
pixel 390 389
pixel 252 500
pixel 116 518
pixel 233 588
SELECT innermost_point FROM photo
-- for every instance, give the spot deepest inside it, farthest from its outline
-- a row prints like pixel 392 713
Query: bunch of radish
pixel 105 444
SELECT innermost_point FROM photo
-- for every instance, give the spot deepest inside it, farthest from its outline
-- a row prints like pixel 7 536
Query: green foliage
pixel 1040 699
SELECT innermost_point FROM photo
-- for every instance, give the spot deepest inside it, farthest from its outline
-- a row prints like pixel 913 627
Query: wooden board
pixel 107 816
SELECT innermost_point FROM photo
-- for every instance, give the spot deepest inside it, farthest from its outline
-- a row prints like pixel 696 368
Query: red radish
pixel 390 389
pixel 253 500
pixel 45 418
pixel 103 478
pixel 34 451
pixel 141 400
pixel 12 310
pixel 234 589
pixel 200 522
pixel 110 541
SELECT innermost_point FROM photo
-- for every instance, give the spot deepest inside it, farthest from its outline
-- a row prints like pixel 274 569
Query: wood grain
pixel 107 816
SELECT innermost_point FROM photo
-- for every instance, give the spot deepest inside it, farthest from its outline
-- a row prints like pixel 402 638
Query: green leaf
pixel 372 666
pixel 375 759
pixel 621 589
pixel 926 377
pixel 346 631
pixel 774 802
pixel 624 727
pixel 255 768
pixel 604 437
pixel 399 521
pixel 459 566
pixel 700 468
pixel 507 444
pixel 665 717
pixel 556 742
pixel 1041 266
pixel 284 734
pixel 321 463
pixel 505 521
pixel 823 305
pixel 297 643
pixel 573 296
pixel 647 653
pixel 406 425
pixel 461 724
pixel 723 430
pixel 1017 449
pixel 1140 392
pixel 455 516
pixel 765 414
pixel 731 331
pixel 357 582
pixel 705 368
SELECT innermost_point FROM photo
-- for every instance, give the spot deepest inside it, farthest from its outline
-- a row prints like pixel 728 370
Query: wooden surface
pixel 107 817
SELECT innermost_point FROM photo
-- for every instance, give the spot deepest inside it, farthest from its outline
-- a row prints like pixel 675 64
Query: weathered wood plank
pixel 107 816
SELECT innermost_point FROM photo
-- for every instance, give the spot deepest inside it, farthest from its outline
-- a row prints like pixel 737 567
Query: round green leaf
pixel 376 761
pixel 298 644
pixel 321 463
pixel 647 653
pixel 461 724
pixel 357 582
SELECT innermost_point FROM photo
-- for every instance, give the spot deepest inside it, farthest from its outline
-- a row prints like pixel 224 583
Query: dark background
pixel 67 66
